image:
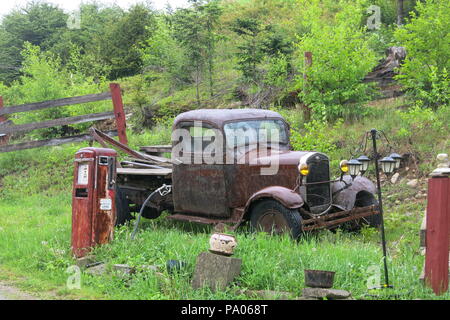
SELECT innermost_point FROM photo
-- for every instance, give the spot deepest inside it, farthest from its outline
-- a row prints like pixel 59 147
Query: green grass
pixel 35 231
pixel 35 244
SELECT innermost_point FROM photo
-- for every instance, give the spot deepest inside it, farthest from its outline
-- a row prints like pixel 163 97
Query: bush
pixel 45 79
pixel 341 58
pixel 426 37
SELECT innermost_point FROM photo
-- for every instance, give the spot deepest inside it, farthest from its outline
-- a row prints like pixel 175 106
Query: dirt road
pixel 11 293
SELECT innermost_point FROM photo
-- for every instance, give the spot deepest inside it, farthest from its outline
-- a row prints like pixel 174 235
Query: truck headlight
pixel 303 169
pixel 344 166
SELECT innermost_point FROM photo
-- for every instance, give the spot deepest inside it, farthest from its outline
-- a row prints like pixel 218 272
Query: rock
pixel 395 177
pixel 215 271
pixel 124 269
pixel 147 267
pixel 97 270
pixel 320 293
pixel 85 261
pixel 412 183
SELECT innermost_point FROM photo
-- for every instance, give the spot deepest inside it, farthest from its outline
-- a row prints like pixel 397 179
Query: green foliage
pixel 39 24
pixel 425 72
pixel 315 136
pixel 341 59
pixel 45 79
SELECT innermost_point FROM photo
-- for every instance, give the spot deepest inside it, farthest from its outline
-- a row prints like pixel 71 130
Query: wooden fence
pixel 6 128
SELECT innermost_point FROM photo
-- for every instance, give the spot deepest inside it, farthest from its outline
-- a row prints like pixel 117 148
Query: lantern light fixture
pixel 398 158
pixel 388 165
pixel 354 167
pixel 365 160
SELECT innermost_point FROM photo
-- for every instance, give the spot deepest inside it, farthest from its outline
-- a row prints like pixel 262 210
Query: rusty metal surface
pixel 287 197
pixel 104 139
pixel 92 225
pixel 346 198
pixel 220 116
pixel 334 219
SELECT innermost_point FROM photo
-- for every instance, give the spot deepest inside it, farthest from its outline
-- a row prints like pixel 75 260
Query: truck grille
pixel 318 196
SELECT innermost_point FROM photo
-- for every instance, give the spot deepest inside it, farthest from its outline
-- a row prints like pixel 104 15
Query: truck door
pixel 198 178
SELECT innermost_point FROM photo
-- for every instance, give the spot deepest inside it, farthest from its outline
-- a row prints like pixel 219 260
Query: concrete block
pixel 215 271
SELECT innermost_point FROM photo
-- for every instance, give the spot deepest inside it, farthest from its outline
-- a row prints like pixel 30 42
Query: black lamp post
pixel 388 166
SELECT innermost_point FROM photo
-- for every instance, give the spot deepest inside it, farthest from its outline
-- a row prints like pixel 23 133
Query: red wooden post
pixel 438 230
pixel 3 139
pixel 116 96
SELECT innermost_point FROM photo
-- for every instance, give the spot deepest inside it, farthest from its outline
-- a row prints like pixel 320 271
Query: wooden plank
pixel 56 103
pixel 57 122
pixel 121 125
pixel 157 149
pixel 50 142
pixel 144 172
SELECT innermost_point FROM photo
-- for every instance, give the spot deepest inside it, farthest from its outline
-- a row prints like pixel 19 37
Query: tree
pixel 426 37
pixel 37 23
pixel 122 43
pixel 250 52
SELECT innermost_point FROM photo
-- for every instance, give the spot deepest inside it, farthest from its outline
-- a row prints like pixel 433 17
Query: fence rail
pixel 6 128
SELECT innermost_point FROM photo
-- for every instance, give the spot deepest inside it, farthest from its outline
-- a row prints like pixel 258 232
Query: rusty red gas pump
pixel 93 203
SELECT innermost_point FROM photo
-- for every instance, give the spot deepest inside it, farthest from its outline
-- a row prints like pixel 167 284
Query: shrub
pixel 426 37
pixel 341 58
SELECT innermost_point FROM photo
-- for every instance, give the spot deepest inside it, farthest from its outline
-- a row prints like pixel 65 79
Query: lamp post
pixel 385 165
pixel 388 165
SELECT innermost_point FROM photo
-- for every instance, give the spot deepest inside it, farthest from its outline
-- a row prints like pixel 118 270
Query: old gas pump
pixel 93 205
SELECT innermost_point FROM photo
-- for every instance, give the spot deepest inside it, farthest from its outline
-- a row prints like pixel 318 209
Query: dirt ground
pixel 11 293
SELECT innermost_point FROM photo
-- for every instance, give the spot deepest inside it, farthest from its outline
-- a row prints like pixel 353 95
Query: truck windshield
pixel 250 132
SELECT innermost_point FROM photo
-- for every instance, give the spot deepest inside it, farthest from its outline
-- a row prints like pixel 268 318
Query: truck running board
pixel 235 219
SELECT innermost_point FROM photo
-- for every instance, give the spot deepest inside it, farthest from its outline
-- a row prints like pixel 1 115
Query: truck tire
pixel 272 217
pixel 123 214
pixel 374 221
pixel 150 213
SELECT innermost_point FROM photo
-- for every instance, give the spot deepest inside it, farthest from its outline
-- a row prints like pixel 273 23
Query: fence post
pixel 3 138
pixel 116 96
pixel 438 227
pixel 308 64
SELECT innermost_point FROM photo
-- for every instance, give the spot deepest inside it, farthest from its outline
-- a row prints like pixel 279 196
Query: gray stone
pixel 412 183
pixel 147 267
pixel 124 269
pixel 97 270
pixel 85 261
pixel 215 271
pixel 320 293
pixel 395 177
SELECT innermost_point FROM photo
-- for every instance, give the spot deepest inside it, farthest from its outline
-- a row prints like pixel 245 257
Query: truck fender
pixel 287 197
pixel 345 199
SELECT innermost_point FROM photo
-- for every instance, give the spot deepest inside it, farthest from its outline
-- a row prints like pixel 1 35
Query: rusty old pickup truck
pixel 236 166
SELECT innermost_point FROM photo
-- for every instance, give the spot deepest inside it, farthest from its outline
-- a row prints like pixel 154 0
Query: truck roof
pixel 219 116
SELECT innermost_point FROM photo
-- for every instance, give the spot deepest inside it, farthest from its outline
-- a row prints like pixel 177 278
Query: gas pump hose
pixel 163 191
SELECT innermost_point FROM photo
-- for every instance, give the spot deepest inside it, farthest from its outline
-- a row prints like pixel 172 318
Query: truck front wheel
pixel 272 217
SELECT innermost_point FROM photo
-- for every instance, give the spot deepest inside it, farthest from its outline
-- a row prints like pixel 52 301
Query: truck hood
pixel 270 156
